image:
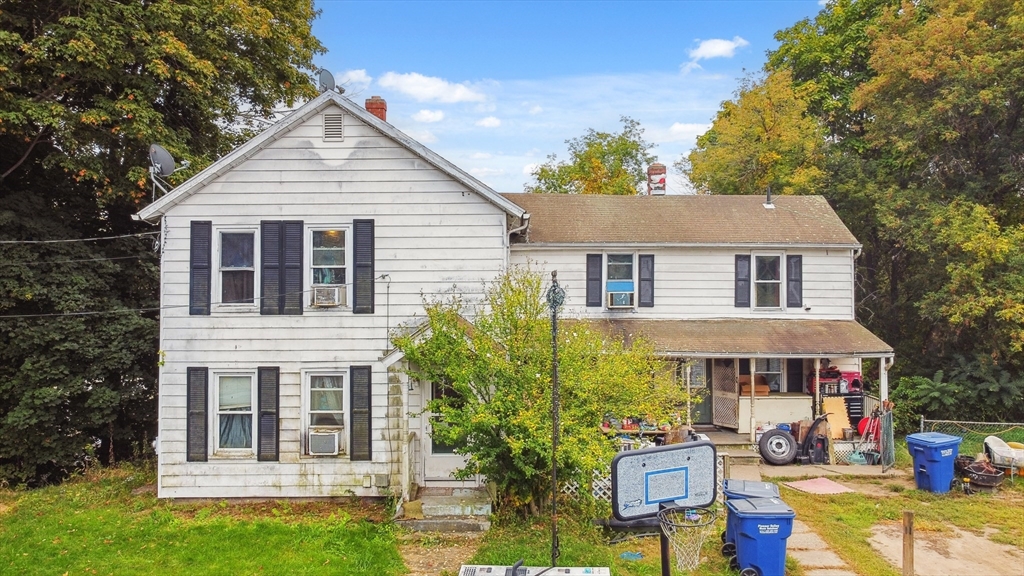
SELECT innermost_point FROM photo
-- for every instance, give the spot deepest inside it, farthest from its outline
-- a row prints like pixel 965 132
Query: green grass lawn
pixel 96 525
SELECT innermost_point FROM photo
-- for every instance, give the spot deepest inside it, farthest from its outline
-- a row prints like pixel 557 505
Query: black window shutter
pixel 359 402
pixel 594 279
pixel 743 280
pixel 291 272
pixel 268 400
pixel 281 267
pixel 270 267
pixel 199 268
pixel 794 281
pixel 197 393
pixel 646 281
pixel 362 279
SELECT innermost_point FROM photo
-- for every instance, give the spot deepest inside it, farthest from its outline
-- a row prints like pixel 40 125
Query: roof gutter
pixel 752 245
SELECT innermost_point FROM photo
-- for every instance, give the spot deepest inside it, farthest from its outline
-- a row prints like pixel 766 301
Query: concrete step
pixel 451 524
pixel 466 504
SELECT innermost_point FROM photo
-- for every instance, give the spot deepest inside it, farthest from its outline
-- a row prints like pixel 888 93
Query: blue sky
pixel 495 87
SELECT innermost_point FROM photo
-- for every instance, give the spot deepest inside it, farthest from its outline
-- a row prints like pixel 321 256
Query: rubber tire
pixel 749 572
pixel 723 536
pixel 778 447
pixel 728 549
pixel 734 563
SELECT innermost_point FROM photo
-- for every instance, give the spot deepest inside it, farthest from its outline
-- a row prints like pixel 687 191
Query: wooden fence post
pixel 908 543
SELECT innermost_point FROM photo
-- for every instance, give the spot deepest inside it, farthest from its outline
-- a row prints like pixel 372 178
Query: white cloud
pixel 529 168
pixel 480 156
pixel 489 122
pixel 822 2
pixel 429 88
pixel 689 67
pixel 485 172
pixel 354 80
pixel 536 110
pixel 428 116
pixel 686 130
pixel 717 48
pixel 422 136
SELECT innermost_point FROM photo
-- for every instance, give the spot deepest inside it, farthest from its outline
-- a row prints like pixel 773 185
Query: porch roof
pixel 752 337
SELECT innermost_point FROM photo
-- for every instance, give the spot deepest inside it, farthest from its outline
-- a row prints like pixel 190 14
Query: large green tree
pixel 599 163
pixel 85 87
pixel 762 139
pixel 499 370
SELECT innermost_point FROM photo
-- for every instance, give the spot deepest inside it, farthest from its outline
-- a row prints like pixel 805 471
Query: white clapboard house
pixel 286 264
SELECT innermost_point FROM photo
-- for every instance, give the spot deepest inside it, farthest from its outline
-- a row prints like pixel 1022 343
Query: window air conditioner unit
pixel 620 299
pixel 324 442
pixel 328 296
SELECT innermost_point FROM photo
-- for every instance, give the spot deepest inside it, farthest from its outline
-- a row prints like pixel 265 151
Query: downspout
pixel 525 219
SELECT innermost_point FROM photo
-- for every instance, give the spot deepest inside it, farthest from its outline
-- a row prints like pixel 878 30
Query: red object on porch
pixel 833 381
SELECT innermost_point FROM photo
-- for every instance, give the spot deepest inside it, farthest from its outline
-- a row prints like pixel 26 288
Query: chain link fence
pixel 974 433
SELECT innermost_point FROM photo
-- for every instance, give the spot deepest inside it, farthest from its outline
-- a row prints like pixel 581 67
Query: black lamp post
pixel 555 297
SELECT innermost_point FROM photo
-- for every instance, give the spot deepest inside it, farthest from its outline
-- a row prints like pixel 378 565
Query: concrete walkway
pixel 804 546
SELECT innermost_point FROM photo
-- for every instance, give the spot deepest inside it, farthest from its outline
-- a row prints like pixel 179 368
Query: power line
pixel 71 261
pixel 123 310
pixel 77 239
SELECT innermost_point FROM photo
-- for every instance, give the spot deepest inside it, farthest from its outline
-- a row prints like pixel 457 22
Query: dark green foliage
pixel 85 87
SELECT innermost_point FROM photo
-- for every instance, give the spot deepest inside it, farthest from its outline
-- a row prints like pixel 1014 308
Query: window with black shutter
pixel 646 299
pixel 363 267
pixel 359 403
pixel 281 267
pixel 199 268
pixel 794 281
pixel 742 295
pixel 594 292
pixel 197 394
pixel 267 424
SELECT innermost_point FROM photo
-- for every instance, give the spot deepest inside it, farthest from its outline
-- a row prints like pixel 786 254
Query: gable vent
pixel 334 126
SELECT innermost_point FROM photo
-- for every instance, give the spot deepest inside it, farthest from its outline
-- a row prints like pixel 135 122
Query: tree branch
pixel 25 155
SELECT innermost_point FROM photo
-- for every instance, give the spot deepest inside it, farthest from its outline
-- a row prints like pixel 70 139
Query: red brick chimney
pixel 378 107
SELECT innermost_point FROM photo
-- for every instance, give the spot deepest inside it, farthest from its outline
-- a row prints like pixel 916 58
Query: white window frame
pixel 217 283
pixel 604 280
pixel 307 379
pixel 782 373
pixel 346 288
pixel 754 282
pixel 216 450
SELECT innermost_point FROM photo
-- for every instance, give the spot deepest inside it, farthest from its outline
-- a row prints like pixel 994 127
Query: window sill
pixel 326 309
pixel 241 455
pixel 229 309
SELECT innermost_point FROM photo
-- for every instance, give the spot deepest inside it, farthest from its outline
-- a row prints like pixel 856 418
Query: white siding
pixel 693 283
pixel 431 234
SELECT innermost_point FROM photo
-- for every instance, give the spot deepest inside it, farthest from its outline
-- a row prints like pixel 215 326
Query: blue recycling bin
pixel 762 527
pixel 742 489
pixel 933 454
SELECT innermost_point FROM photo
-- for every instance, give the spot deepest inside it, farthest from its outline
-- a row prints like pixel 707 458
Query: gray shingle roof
pixel 574 218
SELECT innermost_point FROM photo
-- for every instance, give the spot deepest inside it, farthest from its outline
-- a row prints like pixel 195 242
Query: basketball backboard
pixel 681 474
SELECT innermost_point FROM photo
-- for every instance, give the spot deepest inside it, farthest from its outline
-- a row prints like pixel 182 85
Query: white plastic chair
pixel 1003 456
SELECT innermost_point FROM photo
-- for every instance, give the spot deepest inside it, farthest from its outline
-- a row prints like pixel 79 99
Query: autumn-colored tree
pixel 599 163
pixel 762 139
pixel 85 87
pixel 499 372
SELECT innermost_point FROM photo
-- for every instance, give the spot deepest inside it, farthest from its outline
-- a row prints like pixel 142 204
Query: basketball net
pixel 686 530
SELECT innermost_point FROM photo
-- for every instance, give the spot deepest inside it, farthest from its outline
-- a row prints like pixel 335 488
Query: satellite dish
pixel 160 158
pixel 326 80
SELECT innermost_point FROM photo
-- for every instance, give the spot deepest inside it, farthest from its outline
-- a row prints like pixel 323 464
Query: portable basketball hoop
pixel 677 484
pixel 686 530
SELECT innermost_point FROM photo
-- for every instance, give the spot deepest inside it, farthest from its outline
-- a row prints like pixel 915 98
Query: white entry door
pixel 725 393
pixel 439 459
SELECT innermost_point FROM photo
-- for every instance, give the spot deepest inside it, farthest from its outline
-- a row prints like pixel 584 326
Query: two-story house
pixel 286 265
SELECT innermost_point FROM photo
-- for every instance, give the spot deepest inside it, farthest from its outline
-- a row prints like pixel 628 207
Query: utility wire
pixel 77 239
pixel 71 261
pixel 123 310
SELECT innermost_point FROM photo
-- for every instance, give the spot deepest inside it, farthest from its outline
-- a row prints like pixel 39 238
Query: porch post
pixel 753 386
pixel 689 409
pixel 883 377
pixel 817 387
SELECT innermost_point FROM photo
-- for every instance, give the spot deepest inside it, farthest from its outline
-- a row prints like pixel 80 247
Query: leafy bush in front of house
pixel 977 390
pixel 499 369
